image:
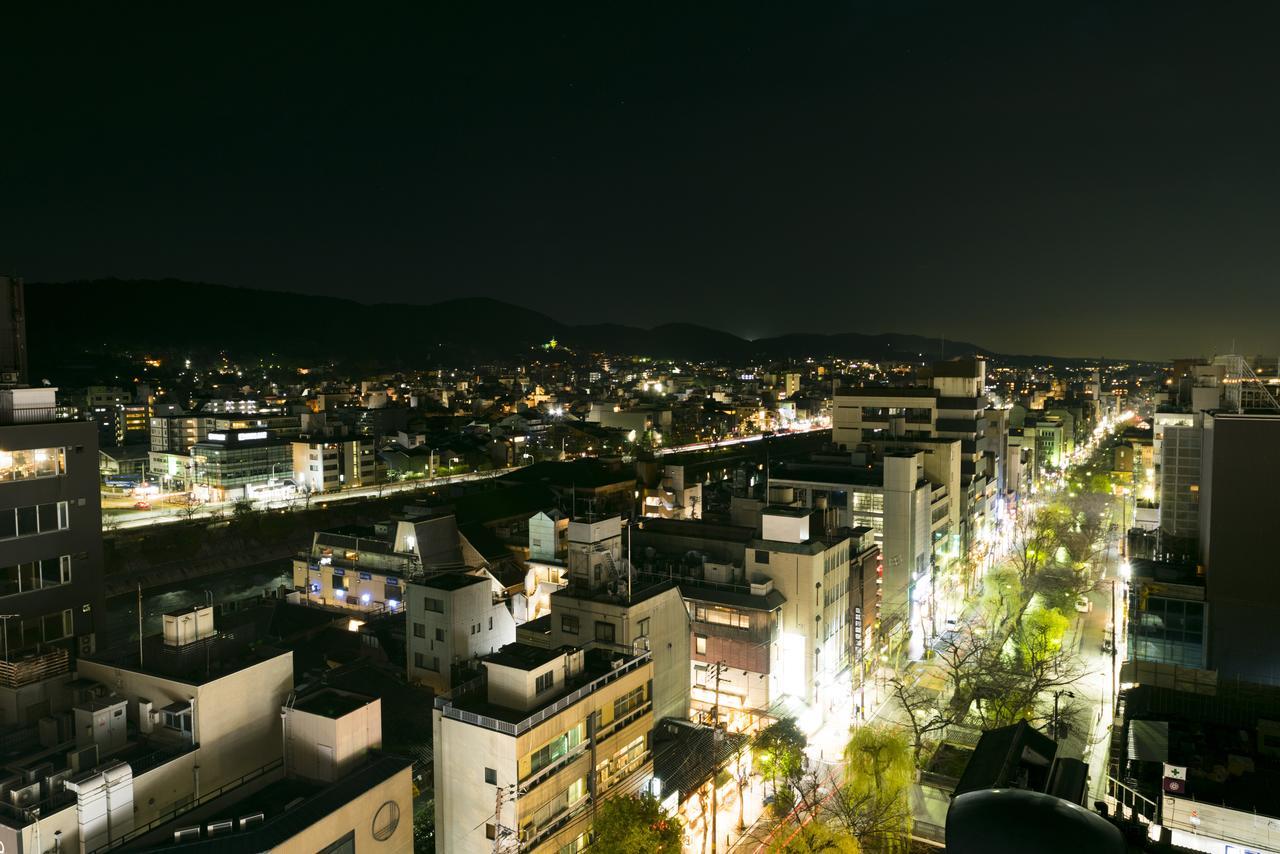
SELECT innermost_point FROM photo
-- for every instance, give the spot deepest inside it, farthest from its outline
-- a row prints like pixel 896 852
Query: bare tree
pixel 188 506
pixel 926 716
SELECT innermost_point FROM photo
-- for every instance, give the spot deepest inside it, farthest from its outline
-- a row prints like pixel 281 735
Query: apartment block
pixel 453 619
pixel 523 754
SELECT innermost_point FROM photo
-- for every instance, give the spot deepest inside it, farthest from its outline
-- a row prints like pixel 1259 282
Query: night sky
pixel 1082 179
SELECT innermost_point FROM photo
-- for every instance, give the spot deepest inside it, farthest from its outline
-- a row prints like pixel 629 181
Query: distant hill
pixel 66 320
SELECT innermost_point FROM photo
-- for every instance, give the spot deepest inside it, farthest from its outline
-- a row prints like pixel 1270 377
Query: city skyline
pixel 1045 176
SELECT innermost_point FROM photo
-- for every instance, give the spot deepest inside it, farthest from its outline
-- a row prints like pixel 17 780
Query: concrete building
pixel 327 465
pixel 548 536
pixel 810 569
pixel 177 434
pixel 148 732
pixel 50 531
pixel 454 618
pixel 1239 464
pixel 902 508
pixel 606 603
pixel 524 754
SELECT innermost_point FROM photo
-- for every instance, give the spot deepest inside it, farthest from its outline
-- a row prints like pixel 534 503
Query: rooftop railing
pixel 449 710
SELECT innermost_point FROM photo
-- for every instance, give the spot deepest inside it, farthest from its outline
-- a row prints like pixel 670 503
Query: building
pixel 548 536
pixel 13 332
pixel 454 618
pixel 810 569
pixel 356 568
pixel 904 511
pixel 1237 506
pixel 605 602
pixel 523 754
pixel 332 790
pixel 229 464
pixel 327 465
pixel 50 531
pixel 178 433
pixel 139 734
pixel 1180 473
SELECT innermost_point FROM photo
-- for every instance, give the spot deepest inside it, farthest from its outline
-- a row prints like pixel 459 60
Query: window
pixel 569 624
pixel 700 644
pixel 605 631
pixel 431 604
pixel 419 630
pixel 32 463
pixel 644 627
pixel 491 776
pixel 545 682
pixel 440 635
pixel 556 748
pixel 762 556
pixel 628 703
pixel 490 831
pixel 36 575
pixel 491 624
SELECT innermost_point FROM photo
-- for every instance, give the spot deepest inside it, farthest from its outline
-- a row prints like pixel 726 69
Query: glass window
pixel 545 682
pixel 569 624
pixel 433 604
pixel 419 630
pixel 605 631
pixel 28 521
pixel 8 528
pixel 48 517
pixel 700 644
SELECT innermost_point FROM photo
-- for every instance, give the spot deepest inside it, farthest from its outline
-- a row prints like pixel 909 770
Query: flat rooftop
pixel 523 656
pixel 330 703
pixel 450 581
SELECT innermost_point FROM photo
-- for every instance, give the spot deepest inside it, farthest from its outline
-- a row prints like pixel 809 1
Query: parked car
pixel 142 505
pixel 1083 605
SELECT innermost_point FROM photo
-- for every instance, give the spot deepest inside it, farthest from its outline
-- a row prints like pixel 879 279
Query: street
pixel 129 517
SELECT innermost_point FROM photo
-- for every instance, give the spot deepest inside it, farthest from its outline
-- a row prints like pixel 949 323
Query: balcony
pixel 449 709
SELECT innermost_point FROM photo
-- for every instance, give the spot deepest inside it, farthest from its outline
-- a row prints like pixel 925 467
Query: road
pixel 113 518
pixel 725 443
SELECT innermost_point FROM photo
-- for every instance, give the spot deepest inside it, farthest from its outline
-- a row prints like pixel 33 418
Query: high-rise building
pixel 1238 507
pixel 50 529
pixel 13 332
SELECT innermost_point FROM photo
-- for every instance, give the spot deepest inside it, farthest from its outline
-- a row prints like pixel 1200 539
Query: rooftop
pixel 523 656
pixel 454 580
pixel 332 703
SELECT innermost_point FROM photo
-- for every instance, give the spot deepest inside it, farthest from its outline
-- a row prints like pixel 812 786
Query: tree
pixel 779 751
pixel 188 506
pixel 424 827
pixel 815 837
pixel 879 754
pixel 1018 682
pixel 636 823
pixel 242 509
pixel 926 716
pixel 873 804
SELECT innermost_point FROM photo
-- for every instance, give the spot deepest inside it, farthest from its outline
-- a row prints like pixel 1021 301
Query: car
pixel 1083 605
pixel 142 505
pixel 1106 645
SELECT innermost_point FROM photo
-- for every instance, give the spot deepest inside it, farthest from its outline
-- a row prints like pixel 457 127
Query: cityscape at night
pixel 742 430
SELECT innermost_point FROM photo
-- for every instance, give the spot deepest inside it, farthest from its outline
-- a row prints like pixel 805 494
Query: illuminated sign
pixel 249 437
pixel 217 437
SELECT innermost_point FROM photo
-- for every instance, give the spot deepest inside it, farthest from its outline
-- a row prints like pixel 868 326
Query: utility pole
pixel 139 626
pixel 715 762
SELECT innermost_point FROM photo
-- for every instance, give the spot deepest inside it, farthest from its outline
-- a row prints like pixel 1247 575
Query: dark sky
pixel 1084 178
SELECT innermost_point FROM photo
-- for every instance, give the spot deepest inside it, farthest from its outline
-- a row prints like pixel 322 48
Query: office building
pixel 523 754
pixel 1239 463
pixel 234 464
pixel 50 531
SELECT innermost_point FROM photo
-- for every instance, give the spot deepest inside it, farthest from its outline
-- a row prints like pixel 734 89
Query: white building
pixel 453 618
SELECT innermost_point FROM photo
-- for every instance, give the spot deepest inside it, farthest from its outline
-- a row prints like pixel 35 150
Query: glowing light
pixel 364 598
